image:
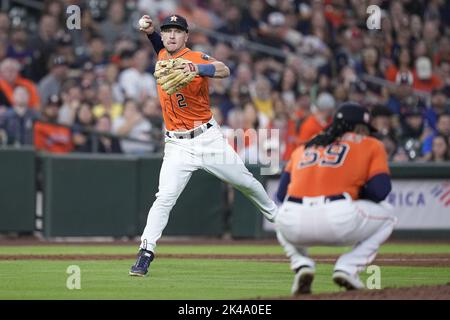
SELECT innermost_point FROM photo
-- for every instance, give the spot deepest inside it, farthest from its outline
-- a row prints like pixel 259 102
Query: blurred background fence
pixel 87 195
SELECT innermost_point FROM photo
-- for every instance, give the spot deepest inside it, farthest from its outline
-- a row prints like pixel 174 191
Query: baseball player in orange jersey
pixel 193 138
pixel 333 190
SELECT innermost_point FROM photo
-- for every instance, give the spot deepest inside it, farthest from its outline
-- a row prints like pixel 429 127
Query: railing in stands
pixel 95 136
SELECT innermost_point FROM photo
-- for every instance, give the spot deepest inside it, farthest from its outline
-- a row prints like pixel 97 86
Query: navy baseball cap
pixel 53 100
pixel 354 113
pixel 176 21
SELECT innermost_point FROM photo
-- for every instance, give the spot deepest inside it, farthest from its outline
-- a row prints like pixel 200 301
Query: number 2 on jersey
pixel 180 100
pixel 333 156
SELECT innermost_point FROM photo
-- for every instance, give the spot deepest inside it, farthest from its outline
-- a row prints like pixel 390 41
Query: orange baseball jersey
pixel 343 166
pixel 309 128
pixel 189 107
pixel 52 138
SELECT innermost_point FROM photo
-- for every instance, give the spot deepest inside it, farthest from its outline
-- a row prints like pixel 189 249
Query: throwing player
pixel 333 190
pixel 193 138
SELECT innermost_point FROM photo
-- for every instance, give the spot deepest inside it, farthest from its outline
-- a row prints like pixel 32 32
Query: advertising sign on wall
pixel 418 204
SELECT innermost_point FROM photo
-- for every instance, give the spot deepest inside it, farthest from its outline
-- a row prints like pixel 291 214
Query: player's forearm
pixel 215 69
pixel 155 39
pixel 222 71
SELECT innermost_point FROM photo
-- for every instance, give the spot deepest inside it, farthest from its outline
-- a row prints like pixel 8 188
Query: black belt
pixel 189 135
pixel 329 198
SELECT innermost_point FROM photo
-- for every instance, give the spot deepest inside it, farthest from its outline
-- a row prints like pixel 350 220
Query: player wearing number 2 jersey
pixel 193 138
pixel 333 190
pixel 190 105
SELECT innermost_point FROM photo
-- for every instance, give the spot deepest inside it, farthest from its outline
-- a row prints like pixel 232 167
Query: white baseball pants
pixel 363 224
pixel 211 152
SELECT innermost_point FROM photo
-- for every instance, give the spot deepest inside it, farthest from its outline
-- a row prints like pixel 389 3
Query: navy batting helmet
pixel 347 116
pixel 353 113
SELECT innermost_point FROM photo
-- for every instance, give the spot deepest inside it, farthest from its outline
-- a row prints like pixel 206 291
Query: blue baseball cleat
pixel 140 268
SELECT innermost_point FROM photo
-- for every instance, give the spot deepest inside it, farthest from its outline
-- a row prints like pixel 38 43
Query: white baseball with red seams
pixel 143 23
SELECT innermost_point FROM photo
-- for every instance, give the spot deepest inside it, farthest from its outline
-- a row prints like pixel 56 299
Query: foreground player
pixel 193 138
pixel 333 190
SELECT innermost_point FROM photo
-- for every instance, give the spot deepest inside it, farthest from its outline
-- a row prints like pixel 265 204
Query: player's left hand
pixel 174 74
pixel 189 68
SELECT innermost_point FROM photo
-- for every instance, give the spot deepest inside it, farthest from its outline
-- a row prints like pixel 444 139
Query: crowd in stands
pixel 315 55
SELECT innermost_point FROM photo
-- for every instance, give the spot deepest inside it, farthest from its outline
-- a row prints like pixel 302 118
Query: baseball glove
pixel 171 74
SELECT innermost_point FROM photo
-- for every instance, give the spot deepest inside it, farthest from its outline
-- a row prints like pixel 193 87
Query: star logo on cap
pixel 173 18
pixel 366 117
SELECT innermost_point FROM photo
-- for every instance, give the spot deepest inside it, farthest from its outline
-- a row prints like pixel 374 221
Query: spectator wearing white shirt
pixel 111 76
pixel 135 81
pixel 132 124
pixel 71 95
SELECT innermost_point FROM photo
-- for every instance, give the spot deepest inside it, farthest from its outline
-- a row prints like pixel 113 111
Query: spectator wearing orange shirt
pixel 294 122
pixel 48 135
pixel 402 64
pixel 195 16
pixel 10 79
pixel 322 112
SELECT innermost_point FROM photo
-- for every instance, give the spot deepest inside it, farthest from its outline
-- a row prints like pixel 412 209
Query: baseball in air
pixel 143 24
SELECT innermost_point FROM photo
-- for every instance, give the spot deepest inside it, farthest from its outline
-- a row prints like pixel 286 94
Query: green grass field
pixel 172 278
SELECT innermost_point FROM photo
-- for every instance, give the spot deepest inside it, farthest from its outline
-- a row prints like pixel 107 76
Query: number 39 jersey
pixel 343 166
pixel 189 107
